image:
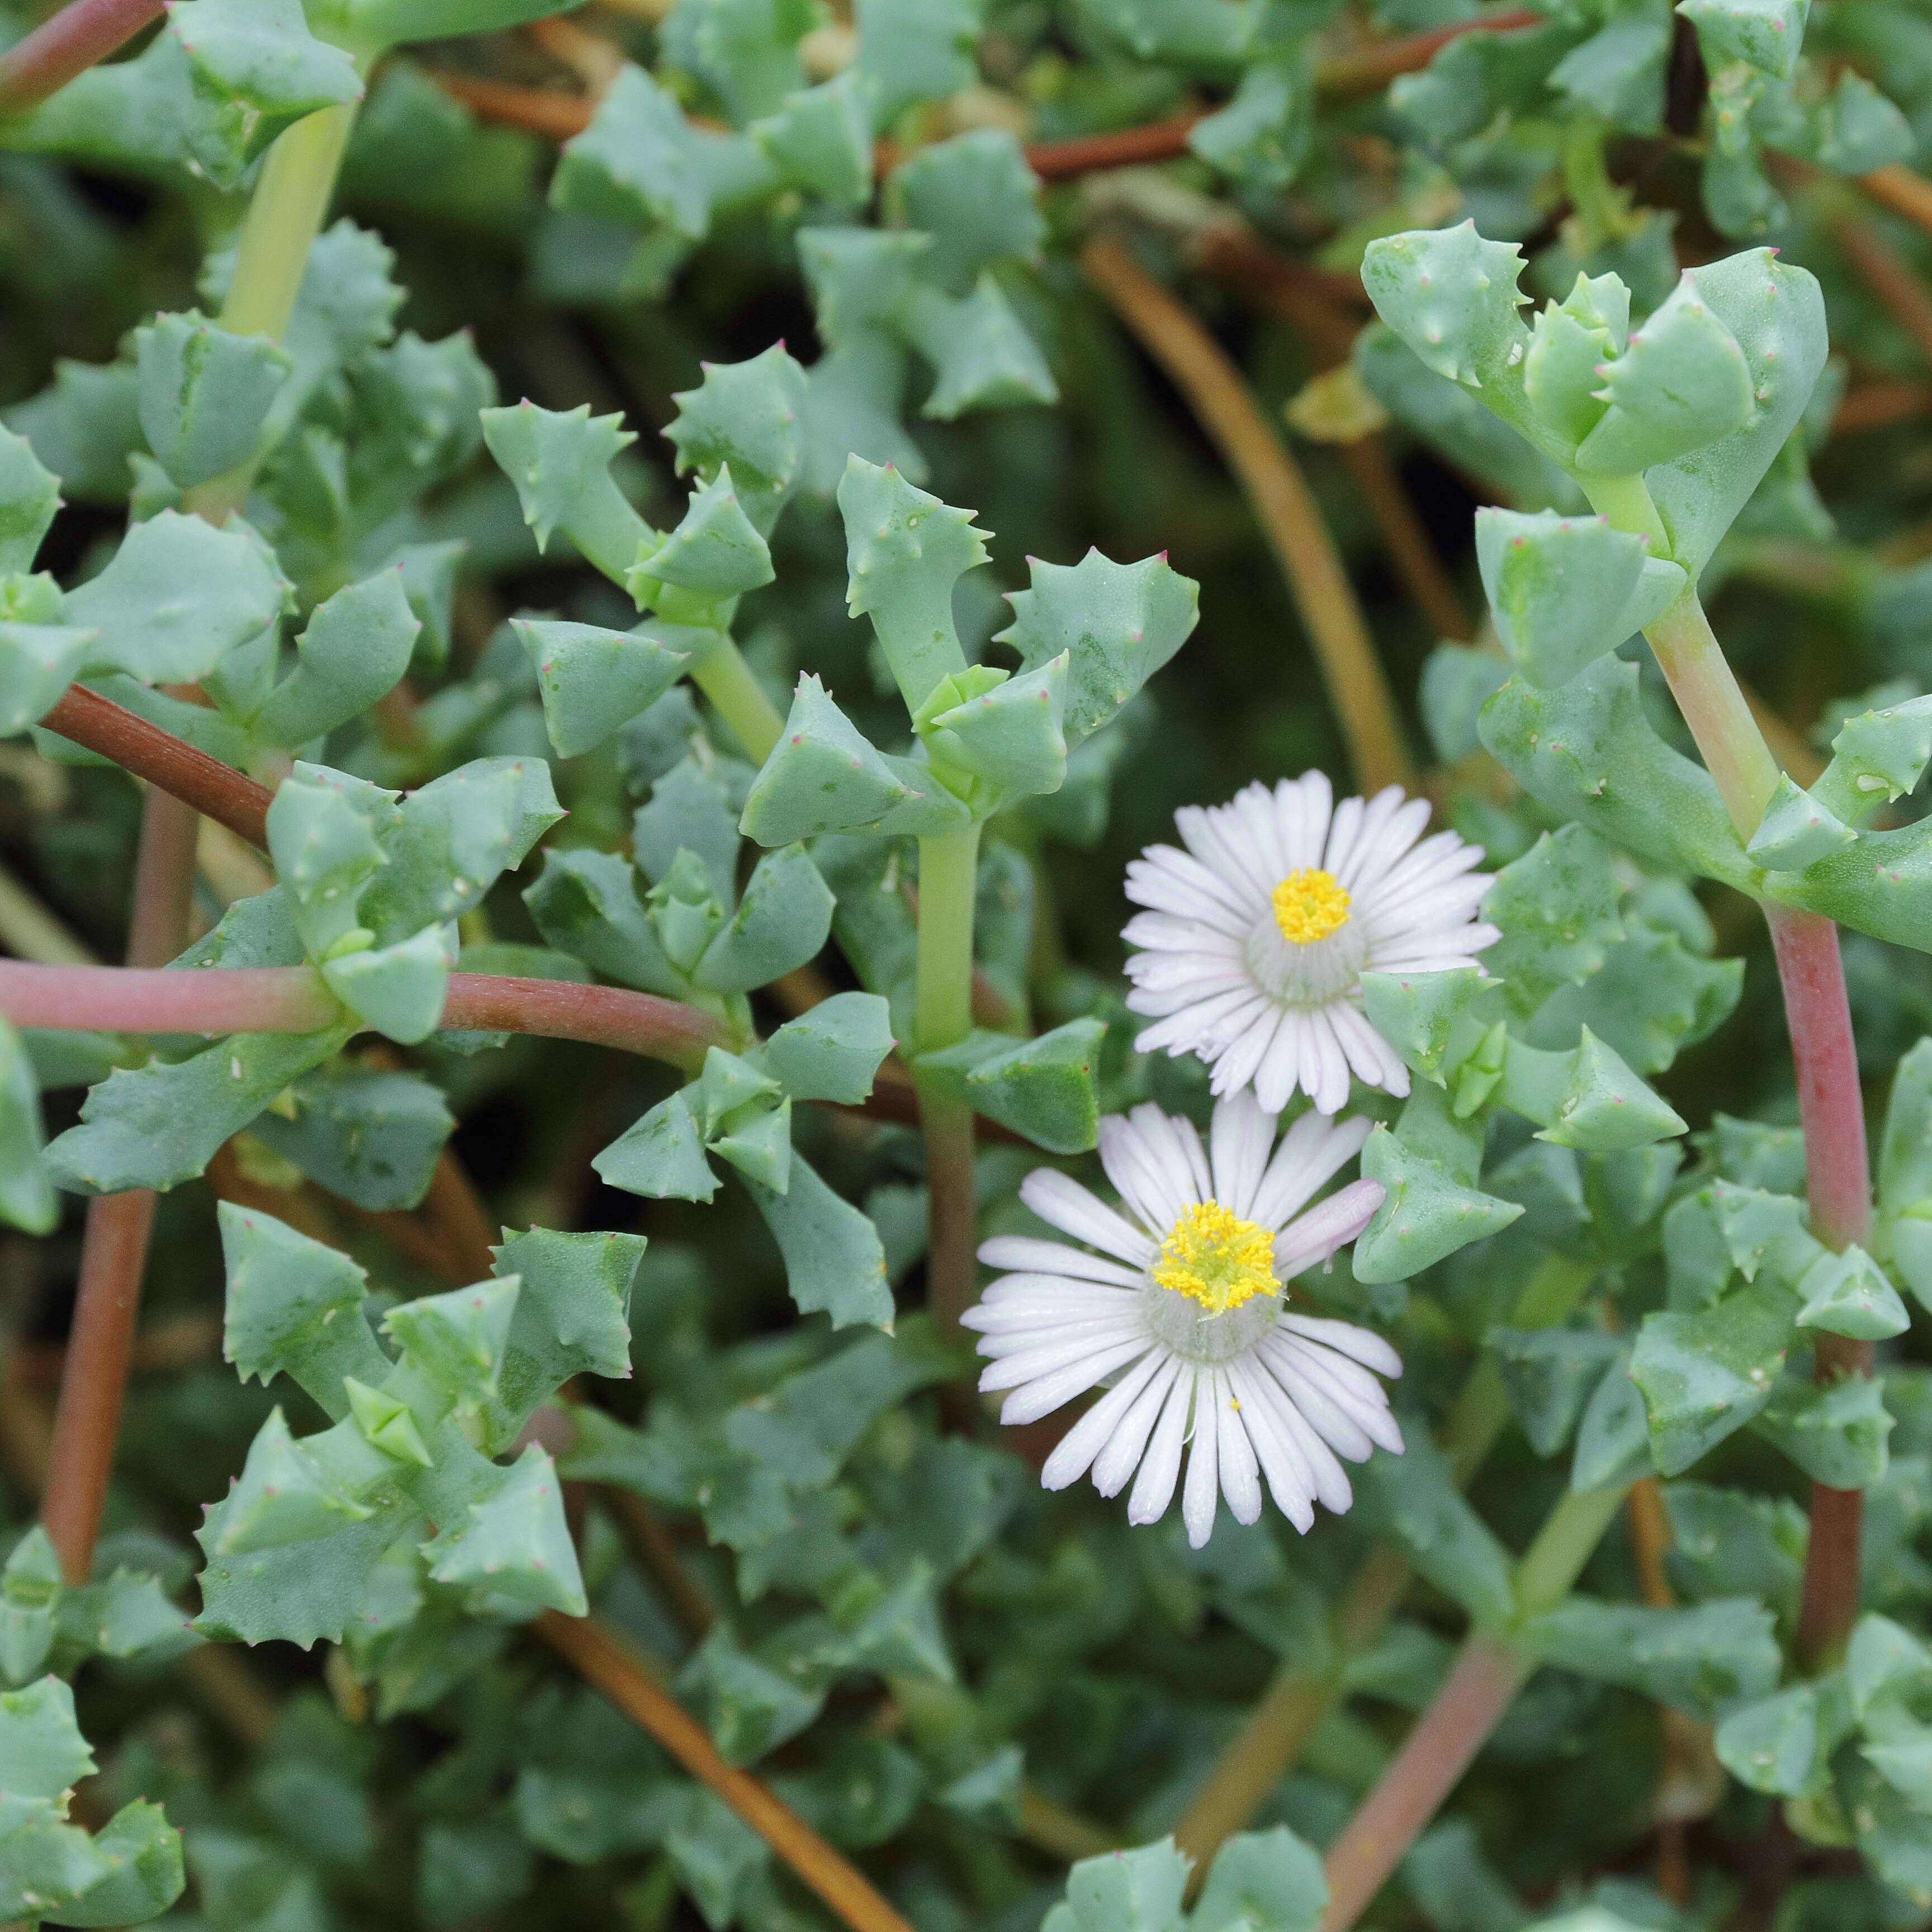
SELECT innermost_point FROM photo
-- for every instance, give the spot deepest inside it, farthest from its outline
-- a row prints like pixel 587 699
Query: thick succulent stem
pixel 114 1250
pixel 81 35
pixel 1461 1717
pixel 285 215
pixel 1837 1181
pixel 737 697
pixel 949 871
pixel 1300 1696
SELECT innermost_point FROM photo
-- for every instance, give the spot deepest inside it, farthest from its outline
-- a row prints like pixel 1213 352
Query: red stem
pixel 114 1250
pixel 1441 1747
pixel 292 999
pixel 1825 1055
pixel 216 790
pixel 83 32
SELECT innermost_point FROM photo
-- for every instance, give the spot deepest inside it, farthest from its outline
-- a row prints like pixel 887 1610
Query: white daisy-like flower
pixel 1183 1311
pixel 1256 937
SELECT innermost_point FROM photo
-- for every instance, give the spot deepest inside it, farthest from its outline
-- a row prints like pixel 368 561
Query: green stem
pixel 1553 1563
pixel 1700 676
pixel 949 871
pixel 285 215
pixel 726 680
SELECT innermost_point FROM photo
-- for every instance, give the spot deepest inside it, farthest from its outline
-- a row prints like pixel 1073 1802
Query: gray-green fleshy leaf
pixel 398 989
pixel 1767 34
pixel 1416 1500
pixel 904 551
pixel 27 1199
pixel 1557 907
pixel 823 775
pixel 586 904
pixel 1847 1294
pixel 1138 1891
pixel 1269 1881
pixel 560 463
pixel 1699 1661
pixel 177 597
pixel 1117 624
pixel 256 64
pixel 661 1156
pixel 358 644
pixel 1774 1743
pixel 1835 1432
pixel 1681 384
pixel 1009 736
pixel 982 355
pixel 1563 590
pixel 515 1542
pixel 1877 757
pixel 782 921
pixel 1705 1375
pixel 1796 830
pixel 1428 1213
pixel 834 1264
pixel 747 415
pixel 1452 296
pixel 1588 752
pixel 294 1307
pixel 204 393
pixel 1042 1089
pixel 158 1125
pixel 372 1135
pixel 975 195
pixel 592 680
pixel 832 1052
pixel 1776 313
pixel 282 1495
pixel 716 552
pixel 29 496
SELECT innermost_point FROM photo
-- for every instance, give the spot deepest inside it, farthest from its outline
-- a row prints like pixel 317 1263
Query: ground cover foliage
pixel 683 553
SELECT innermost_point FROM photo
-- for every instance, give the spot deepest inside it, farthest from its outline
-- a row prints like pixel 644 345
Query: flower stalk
pixel 82 34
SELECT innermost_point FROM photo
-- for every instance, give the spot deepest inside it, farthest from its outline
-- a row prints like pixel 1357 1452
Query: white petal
pixel 1329 1224
pixel 1303 807
pixel 1166 879
pixel 1236 1066
pixel 1240 1476
pixel 1317 1407
pixel 1280 1073
pixel 1122 1456
pixel 1075 1450
pixel 1026 1352
pixel 1062 1203
pixel 1362 1345
pixel 1290 1481
pixel 1043 1396
pixel 1029 1253
pixel 1314 1148
pixel 1035 1357
pixel 1332 1489
pixel 1153 1487
pixel 1374 1061
pixel 1354 1391
pixel 1242 1133
pixel 1202 1491
pixel 1326 1081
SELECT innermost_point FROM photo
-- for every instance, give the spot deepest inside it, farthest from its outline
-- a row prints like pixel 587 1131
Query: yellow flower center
pixel 1215 1258
pixel 1309 905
